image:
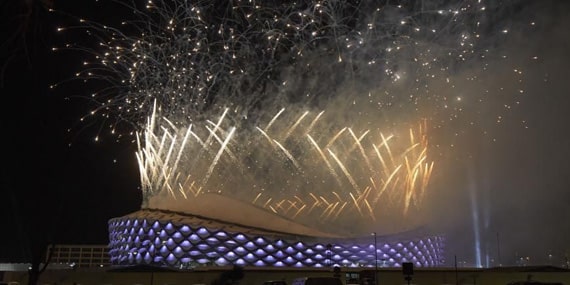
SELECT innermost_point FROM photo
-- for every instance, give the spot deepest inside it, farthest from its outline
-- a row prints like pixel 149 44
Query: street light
pixel 375 259
pixel 329 254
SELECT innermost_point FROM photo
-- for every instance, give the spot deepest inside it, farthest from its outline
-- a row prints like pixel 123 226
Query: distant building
pixel 79 255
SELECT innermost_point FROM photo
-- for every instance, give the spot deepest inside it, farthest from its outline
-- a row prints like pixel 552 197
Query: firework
pixel 194 56
pixel 298 167
pixel 315 110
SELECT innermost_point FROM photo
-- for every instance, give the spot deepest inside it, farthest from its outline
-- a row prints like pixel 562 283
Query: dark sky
pixel 521 181
pixel 518 178
pixel 64 193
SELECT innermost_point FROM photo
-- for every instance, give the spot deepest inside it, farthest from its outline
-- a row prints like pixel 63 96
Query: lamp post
pixel 375 259
pixel 329 254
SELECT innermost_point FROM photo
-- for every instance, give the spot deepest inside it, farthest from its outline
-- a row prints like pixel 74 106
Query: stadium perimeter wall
pixel 256 276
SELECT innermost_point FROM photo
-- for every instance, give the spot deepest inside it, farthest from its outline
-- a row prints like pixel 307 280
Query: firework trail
pixel 290 167
pixel 196 56
pixel 315 110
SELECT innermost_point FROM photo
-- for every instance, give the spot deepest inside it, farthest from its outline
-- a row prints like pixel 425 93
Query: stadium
pixel 251 236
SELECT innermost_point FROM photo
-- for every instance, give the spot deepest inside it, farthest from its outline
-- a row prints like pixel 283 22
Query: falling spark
pixel 206 90
pixel 290 184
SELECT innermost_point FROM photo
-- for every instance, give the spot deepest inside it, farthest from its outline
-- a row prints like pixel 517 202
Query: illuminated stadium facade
pixel 179 240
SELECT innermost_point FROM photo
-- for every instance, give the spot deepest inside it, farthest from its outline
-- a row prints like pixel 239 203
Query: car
pixel 317 281
pixel 275 282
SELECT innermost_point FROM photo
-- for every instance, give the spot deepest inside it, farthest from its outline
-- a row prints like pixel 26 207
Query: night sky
pixel 60 185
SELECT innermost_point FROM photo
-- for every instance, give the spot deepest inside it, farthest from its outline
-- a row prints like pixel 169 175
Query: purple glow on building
pixel 137 240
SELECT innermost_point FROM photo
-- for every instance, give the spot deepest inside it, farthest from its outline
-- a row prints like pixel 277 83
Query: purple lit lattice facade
pixel 166 240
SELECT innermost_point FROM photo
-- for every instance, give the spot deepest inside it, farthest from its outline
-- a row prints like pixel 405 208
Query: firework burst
pixel 297 166
pixel 194 56
pixel 204 84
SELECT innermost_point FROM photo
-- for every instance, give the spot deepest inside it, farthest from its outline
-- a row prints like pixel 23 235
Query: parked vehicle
pixel 275 282
pixel 317 281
